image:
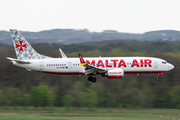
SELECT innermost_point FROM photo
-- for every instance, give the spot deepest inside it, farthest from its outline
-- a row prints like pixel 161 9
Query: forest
pixel 19 87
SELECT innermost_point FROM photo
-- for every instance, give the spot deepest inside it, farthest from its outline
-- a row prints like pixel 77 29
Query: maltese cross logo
pixel 21 45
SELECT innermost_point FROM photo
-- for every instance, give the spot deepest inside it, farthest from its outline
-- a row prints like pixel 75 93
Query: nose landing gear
pixel 92 78
pixel 158 74
pixel 157 78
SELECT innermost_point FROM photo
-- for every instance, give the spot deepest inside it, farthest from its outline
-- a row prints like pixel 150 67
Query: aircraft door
pixel 69 65
pixel 41 66
pixel 155 63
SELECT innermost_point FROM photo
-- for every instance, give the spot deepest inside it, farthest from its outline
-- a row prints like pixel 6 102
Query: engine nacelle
pixel 115 73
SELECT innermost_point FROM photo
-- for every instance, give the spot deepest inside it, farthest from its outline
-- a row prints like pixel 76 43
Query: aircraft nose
pixel 171 66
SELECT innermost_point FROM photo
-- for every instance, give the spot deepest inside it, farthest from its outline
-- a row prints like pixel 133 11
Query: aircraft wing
pixel 89 68
pixel 18 61
pixel 62 54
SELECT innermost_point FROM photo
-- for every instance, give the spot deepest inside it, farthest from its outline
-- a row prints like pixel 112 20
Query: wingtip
pixel 8 58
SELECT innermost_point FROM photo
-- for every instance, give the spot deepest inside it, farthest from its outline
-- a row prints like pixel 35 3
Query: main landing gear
pixel 92 78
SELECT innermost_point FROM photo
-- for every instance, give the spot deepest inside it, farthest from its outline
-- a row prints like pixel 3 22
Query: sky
pixel 133 16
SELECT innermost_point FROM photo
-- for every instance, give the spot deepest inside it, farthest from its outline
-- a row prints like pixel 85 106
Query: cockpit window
pixel 164 62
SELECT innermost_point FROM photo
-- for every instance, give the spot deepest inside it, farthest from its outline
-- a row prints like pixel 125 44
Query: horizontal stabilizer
pixel 19 61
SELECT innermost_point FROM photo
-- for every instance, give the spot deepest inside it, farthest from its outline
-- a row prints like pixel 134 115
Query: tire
pixel 93 79
pixel 90 78
pixel 157 78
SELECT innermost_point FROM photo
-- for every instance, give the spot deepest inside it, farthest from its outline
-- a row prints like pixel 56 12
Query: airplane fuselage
pixel 130 65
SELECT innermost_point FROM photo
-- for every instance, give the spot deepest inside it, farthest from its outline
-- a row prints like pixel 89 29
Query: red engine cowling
pixel 115 73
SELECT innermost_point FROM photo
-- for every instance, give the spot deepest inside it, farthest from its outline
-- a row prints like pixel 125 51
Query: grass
pixel 58 113
pixel 11 116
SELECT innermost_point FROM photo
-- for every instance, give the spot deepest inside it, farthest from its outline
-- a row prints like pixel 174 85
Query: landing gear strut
pixel 92 78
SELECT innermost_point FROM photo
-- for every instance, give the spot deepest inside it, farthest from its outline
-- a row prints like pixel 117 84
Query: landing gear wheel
pixel 92 79
pixel 157 78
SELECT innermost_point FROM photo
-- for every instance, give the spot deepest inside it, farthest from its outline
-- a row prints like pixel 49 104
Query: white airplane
pixel 110 67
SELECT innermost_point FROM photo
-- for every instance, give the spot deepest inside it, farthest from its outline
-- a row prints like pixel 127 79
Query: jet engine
pixel 114 73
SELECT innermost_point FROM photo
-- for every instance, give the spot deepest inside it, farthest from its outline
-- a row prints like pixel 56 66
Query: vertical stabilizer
pixel 23 49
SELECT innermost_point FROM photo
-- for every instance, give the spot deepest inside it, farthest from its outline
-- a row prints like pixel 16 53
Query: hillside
pixel 69 36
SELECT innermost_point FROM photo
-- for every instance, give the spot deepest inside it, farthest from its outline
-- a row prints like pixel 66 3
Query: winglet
pixel 82 62
pixel 62 53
